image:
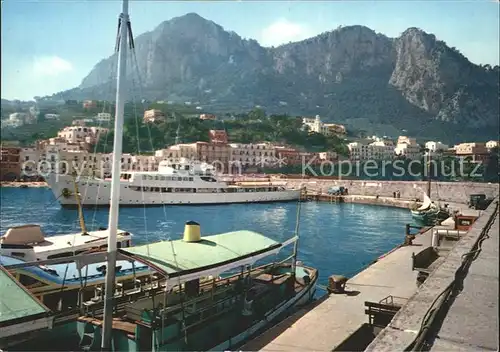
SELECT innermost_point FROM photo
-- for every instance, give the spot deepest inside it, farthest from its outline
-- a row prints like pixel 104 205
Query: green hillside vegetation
pixel 251 127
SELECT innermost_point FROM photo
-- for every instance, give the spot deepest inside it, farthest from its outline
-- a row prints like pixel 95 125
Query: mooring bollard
pixel 336 284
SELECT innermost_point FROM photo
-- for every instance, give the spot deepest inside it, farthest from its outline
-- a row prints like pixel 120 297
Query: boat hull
pixel 78 333
pixel 428 217
pixel 98 193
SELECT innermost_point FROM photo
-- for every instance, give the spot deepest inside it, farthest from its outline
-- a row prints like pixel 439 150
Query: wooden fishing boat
pixel 187 312
pixel 216 315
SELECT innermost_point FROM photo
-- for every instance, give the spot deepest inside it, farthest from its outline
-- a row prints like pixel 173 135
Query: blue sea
pixel 334 238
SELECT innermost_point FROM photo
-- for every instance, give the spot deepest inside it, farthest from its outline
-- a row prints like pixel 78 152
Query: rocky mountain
pixel 351 75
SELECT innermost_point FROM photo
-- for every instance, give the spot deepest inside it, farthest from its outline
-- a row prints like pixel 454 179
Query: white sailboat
pixel 427 212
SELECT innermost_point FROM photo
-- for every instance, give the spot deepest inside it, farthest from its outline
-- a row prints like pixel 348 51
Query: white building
pixel 491 144
pixel 17 119
pixel 103 117
pixel 175 152
pixel 359 151
pixel 328 129
pixel 408 147
pixel 328 156
pixel 382 149
pixel 51 117
pixel 435 147
pixel 259 154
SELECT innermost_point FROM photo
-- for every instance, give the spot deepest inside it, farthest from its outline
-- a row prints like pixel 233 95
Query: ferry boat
pixel 182 182
pixel 29 243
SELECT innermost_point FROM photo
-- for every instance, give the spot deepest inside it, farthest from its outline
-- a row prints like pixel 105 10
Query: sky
pixel 50 46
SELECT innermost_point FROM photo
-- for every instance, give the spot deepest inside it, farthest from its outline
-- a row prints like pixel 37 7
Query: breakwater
pixel 457 192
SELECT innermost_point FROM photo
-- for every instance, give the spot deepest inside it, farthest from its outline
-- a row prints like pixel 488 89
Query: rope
pixel 137 71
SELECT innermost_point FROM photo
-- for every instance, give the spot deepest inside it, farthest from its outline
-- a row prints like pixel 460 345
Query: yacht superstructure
pixel 182 182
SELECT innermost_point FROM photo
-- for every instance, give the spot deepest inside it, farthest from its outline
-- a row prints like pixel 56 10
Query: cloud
pixel 50 66
pixel 283 31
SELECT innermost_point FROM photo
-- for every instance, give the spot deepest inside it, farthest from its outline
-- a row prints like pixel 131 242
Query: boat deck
pixel 118 324
pixel 75 240
pixel 128 319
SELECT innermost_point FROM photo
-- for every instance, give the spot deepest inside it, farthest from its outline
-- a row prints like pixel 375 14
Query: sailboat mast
pixel 115 180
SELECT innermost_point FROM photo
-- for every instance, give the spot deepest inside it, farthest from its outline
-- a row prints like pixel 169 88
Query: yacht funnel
pixel 192 232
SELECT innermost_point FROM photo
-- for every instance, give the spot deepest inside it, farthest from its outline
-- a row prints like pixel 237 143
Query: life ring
pixel 66 193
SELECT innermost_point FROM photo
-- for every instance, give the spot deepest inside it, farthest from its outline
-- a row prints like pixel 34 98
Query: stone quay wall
pixel 457 192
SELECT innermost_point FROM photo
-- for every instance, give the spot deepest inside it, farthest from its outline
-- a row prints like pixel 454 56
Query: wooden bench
pixel 380 314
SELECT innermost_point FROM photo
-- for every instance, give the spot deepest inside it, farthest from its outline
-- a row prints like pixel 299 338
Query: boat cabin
pixel 29 243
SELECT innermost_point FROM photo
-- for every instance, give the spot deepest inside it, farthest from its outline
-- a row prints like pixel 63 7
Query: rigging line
pixel 136 66
pixel 112 73
pixel 140 167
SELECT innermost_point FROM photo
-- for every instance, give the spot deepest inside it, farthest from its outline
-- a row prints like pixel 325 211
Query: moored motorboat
pixel 29 243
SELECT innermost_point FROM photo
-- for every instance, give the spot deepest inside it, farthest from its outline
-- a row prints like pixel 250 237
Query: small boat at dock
pixel 193 305
pixel 428 213
pixel 29 243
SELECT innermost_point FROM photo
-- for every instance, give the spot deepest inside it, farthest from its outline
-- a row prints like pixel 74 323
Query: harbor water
pixel 334 238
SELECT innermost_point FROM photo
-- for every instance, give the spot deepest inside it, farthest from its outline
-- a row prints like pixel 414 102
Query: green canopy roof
pixel 16 302
pixel 211 251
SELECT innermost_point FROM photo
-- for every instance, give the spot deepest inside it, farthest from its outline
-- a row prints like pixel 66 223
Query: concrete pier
pixel 328 324
pixel 469 320
pixel 336 317
pixel 458 192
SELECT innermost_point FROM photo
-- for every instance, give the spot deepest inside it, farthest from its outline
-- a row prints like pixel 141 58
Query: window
pixel 60 255
pixel 26 280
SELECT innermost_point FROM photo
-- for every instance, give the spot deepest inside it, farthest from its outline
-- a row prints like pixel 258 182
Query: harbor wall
pixel 457 192
pixel 385 201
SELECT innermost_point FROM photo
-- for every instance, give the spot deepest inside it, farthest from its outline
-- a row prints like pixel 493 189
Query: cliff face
pixel 349 74
pixel 441 81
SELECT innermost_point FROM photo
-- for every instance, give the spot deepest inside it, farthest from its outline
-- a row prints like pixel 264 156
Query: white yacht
pixel 29 243
pixel 182 182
